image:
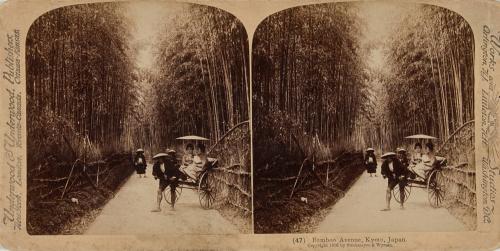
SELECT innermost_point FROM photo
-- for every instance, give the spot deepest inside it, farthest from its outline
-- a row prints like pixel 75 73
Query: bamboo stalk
pixel 69 176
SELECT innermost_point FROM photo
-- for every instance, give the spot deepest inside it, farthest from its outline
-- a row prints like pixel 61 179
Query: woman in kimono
pixel 371 162
pixel 198 163
pixel 417 153
pixel 187 158
pixel 140 163
pixel 191 162
pixel 200 159
pixel 429 159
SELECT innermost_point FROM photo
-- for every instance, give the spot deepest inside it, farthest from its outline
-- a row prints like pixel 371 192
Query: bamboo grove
pixel 308 78
pixel 84 80
pixel 91 100
pixel 79 80
pixel 200 81
pixel 311 77
pixel 427 86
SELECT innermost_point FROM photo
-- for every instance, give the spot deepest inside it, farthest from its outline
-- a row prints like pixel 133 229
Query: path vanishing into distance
pixel 359 211
pixel 129 212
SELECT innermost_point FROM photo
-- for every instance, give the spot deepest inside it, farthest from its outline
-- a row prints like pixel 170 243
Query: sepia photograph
pixel 363 120
pixel 138 121
pixel 250 125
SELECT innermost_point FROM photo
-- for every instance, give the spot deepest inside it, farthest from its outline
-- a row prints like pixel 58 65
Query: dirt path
pixel 359 211
pixel 130 213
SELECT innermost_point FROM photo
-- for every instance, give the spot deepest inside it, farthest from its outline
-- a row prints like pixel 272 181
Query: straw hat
pixel 370 149
pixel 140 150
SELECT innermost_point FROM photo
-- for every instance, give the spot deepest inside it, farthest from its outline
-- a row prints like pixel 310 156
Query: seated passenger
pixel 198 162
pixel 430 156
pixel 187 158
pixel 417 154
pixel 200 159
pixel 427 162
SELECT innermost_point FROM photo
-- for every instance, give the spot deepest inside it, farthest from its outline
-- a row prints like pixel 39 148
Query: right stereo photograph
pixel 363 120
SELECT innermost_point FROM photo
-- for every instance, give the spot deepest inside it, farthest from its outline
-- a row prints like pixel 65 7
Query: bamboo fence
pixel 233 176
pixel 459 176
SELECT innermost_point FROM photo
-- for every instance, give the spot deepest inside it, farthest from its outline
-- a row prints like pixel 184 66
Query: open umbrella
pixel 192 137
pixel 387 154
pixel 420 136
pixel 160 155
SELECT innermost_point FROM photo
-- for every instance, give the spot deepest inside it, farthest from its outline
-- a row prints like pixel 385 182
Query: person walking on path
pixel 140 163
pixel 396 173
pixel 167 172
pixel 371 162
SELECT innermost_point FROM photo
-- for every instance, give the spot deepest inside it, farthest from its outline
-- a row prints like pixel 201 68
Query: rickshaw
pixel 204 183
pixel 431 181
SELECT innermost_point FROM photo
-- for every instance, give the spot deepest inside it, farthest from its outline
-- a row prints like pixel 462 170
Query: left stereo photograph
pixel 138 121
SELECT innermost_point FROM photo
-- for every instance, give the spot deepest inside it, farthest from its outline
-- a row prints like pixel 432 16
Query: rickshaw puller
pixel 396 173
pixel 167 171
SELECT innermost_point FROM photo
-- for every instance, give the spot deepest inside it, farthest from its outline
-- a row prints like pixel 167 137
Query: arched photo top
pixel 107 79
pixel 140 19
pixel 356 83
pixel 379 10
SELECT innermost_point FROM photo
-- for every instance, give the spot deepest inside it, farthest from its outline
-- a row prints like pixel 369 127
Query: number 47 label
pixel 299 240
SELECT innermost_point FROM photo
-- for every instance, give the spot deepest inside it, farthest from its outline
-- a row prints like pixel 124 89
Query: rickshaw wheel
pixel 435 189
pixel 397 197
pixel 207 190
pixel 167 194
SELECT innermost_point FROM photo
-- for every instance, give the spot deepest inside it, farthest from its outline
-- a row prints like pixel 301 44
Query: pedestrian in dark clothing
pixel 396 174
pixel 140 163
pixel 371 162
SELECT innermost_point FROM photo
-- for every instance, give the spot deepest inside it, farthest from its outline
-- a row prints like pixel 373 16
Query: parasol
pixel 159 155
pixel 192 137
pixel 388 154
pixel 420 136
